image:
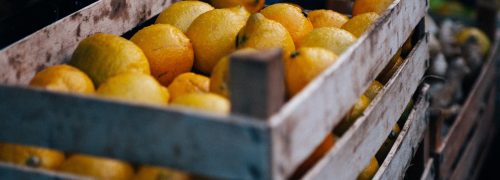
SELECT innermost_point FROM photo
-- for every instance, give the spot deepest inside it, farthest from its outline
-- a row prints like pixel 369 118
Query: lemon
pixel 386 147
pixel 354 114
pixel 250 5
pixel 63 78
pixel 187 83
pixel 364 6
pixel 334 39
pixel 220 76
pixel 374 89
pixel 97 167
pixel 181 14
pixel 102 56
pixel 370 170
pixel 159 173
pixel 390 69
pixel 208 102
pixel 360 23
pixel 326 18
pixel 36 157
pixel 213 35
pixel 291 18
pixel 134 87
pixel 303 65
pixel 168 50
pixel 477 34
pixel 262 33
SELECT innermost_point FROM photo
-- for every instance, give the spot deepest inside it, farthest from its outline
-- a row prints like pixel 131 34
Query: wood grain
pixel 308 117
pixel 10 171
pixel 405 147
pixel 367 134
pixel 55 43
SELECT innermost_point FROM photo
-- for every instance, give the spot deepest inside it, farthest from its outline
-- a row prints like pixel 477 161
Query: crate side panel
pixel 403 150
pixel 204 144
pixel 308 117
pixel 364 138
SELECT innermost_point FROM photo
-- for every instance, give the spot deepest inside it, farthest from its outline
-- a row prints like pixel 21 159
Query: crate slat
pixel 303 122
pixel 448 150
pixel 403 150
pixel 429 171
pixel 367 134
pixel 55 43
pixel 227 147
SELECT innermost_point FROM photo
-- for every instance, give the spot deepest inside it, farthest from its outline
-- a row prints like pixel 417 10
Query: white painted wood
pixel 55 43
pixel 302 123
pixel 401 154
pixel 360 143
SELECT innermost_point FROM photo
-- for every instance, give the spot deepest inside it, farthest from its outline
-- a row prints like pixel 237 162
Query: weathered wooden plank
pixel 9 171
pixel 468 163
pixel 308 117
pixel 222 146
pixel 490 116
pixel 403 150
pixel 367 134
pixel 448 150
pixel 429 171
pixel 55 43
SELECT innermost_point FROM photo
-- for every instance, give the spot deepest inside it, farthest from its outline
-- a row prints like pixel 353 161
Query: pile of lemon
pixel 182 59
pixel 83 165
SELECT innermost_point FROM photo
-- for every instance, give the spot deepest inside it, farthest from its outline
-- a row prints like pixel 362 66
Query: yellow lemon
pixel 364 6
pixel 159 173
pixel 303 65
pixel 168 50
pixel 63 78
pixel 102 56
pixel 334 39
pixel 326 18
pixel 370 170
pixel 188 83
pixel 360 23
pixel 204 101
pixel 220 76
pixel 374 89
pixel 97 167
pixel 262 33
pixel 386 147
pixel 291 18
pixel 213 35
pixel 479 35
pixel 354 114
pixel 390 69
pixel 181 14
pixel 134 87
pixel 251 5
pixel 36 157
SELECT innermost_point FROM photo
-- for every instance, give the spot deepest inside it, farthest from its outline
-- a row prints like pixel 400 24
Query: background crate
pixel 454 152
pixel 243 145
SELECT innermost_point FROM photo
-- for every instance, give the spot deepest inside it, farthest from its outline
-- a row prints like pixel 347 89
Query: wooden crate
pixel 408 141
pixel 256 144
pixel 453 151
